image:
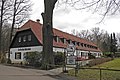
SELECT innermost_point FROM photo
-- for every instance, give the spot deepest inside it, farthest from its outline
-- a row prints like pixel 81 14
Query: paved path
pixel 15 73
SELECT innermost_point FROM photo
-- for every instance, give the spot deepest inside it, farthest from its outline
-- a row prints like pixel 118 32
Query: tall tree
pixel 20 12
pixel 4 15
pixel 47 15
pixel 118 40
pixel 114 43
pixel 105 6
pixel 1 21
pixel 113 46
pixel 85 34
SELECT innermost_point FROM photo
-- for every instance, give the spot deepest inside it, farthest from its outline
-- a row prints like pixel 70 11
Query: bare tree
pixel 85 34
pixel 15 11
pixel 5 37
pixel 4 15
pixel 20 12
pixel 104 6
pixel 48 33
pixel 97 35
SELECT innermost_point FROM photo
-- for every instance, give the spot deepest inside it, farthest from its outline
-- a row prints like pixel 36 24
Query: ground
pixel 109 71
pixel 15 73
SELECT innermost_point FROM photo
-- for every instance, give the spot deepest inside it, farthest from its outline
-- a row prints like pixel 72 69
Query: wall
pixel 23 50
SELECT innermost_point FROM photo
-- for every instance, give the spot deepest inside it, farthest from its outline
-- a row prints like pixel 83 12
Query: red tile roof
pixel 37 30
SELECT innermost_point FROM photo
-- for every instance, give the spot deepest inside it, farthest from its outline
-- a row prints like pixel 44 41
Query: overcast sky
pixel 67 19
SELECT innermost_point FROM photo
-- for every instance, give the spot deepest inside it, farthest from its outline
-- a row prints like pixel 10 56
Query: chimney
pixel 38 20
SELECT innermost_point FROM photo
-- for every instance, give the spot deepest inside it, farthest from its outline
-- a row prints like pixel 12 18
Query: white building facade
pixel 29 39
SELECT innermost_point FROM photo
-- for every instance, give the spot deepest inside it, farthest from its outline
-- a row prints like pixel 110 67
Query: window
pixel 68 41
pixel 18 55
pixel 19 39
pixel 83 54
pixel 73 42
pixel 88 46
pixel 82 44
pixel 64 41
pixel 85 45
pixel 58 39
pixel 78 44
pixel 29 38
pixel 55 38
pixel 24 38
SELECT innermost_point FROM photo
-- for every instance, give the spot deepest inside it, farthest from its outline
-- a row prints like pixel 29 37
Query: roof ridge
pixel 75 36
pixel 31 21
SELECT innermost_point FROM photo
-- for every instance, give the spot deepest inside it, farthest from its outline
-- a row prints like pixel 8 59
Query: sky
pixel 67 19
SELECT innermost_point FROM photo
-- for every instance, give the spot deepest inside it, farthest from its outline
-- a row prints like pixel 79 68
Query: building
pixel 29 39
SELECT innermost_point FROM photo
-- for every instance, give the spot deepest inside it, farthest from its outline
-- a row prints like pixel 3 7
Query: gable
pixel 21 39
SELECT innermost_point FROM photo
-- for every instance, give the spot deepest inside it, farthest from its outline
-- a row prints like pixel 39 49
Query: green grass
pixel 114 64
pixel 89 74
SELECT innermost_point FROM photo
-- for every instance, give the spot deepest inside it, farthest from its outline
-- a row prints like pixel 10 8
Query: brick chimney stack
pixel 38 20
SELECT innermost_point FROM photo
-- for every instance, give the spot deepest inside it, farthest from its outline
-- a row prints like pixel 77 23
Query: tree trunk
pixel 12 27
pixel 48 57
pixel 1 24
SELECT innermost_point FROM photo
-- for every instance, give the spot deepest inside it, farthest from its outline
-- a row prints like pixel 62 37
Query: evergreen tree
pixel 113 46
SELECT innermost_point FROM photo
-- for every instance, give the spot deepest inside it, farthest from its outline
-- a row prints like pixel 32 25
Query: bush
pixel 59 58
pixel 98 61
pixel 108 54
pixel 91 56
pixel 9 61
pixel 33 59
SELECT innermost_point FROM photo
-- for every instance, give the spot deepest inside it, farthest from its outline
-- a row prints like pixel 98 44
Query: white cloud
pixel 37 9
pixel 67 19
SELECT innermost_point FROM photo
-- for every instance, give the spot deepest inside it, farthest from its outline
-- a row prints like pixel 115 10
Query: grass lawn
pixel 90 74
pixel 114 64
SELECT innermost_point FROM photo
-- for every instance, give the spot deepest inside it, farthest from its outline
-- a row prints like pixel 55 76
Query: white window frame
pixel 24 39
pixel 17 55
pixel 20 39
pixel 29 37
pixel 64 41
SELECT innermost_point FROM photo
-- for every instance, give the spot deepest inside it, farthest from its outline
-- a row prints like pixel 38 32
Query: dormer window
pixel 71 42
pixel 20 39
pixel 88 46
pixel 68 41
pixel 64 41
pixel 82 44
pixel 78 44
pixel 85 45
pixel 24 39
pixel 55 38
pixel 58 39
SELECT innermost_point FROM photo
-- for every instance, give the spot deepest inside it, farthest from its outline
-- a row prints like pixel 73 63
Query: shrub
pixel 9 61
pixel 91 56
pixel 108 54
pixel 98 61
pixel 33 59
pixel 59 58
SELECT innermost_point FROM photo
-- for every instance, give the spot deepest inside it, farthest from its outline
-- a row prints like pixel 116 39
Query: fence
pixel 92 73
pixel 97 74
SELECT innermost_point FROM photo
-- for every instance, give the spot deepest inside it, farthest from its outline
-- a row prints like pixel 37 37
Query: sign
pixel 70 60
pixel 71 54
pixel 71 48
pixel 24 49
